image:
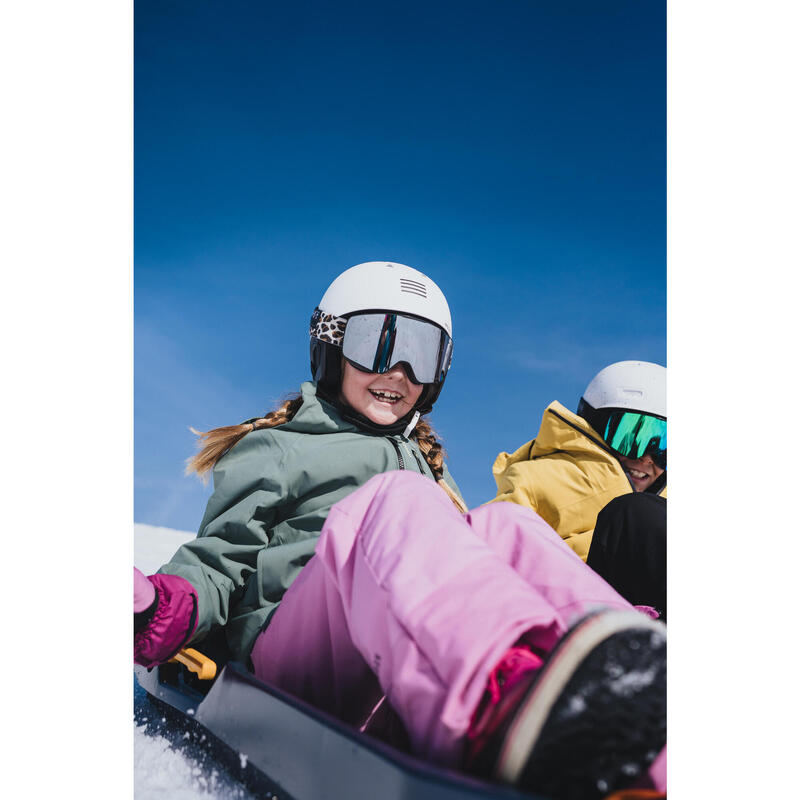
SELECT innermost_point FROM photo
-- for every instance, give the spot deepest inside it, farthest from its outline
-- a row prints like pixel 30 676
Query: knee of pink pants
pixel 521 538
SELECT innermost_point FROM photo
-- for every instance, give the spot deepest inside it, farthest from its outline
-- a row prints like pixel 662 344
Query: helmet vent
pixel 413 287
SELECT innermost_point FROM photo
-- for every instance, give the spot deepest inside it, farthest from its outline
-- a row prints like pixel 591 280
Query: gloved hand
pixel 164 616
pixel 145 600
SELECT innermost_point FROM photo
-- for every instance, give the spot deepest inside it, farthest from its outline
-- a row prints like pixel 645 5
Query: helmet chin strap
pixel 411 425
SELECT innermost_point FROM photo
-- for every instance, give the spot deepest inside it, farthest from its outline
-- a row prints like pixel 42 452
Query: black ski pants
pixel 629 548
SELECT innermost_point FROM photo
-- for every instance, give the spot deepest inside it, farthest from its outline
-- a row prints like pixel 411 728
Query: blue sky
pixel 514 151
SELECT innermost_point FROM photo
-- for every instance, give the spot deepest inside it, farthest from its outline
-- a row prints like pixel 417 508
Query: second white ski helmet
pixel 632 385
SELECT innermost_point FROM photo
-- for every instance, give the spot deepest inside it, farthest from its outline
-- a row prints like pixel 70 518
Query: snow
pixel 163 772
pixel 153 546
pixel 170 763
pixel 633 681
pixel 577 705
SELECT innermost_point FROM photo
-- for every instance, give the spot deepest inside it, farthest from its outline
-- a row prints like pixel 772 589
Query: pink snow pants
pixel 406 590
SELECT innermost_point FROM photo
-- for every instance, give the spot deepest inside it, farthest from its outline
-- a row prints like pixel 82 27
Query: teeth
pixel 386 395
pixel 637 474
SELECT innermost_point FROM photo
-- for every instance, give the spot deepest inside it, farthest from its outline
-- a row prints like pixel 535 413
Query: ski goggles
pixel 635 435
pixel 378 342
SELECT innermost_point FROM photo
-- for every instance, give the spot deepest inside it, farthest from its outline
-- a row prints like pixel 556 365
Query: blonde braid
pixel 218 441
pixel 433 452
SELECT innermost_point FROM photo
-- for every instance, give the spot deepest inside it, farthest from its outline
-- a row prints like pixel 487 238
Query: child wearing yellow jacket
pixel 614 447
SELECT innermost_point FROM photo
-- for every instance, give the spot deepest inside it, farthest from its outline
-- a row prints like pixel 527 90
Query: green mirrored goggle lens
pixel 635 435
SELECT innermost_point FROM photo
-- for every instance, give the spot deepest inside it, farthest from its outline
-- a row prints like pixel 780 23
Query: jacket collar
pixel 316 415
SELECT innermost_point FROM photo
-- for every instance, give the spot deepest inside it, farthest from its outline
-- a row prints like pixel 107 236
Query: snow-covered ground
pixel 168 765
pixel 154 546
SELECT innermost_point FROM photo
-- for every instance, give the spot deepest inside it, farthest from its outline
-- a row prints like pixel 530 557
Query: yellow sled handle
pixel 196 662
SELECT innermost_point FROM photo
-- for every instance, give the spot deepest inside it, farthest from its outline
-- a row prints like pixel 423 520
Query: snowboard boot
pixel 588 722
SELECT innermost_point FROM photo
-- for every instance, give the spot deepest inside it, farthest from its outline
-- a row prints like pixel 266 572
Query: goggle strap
pixel 327 327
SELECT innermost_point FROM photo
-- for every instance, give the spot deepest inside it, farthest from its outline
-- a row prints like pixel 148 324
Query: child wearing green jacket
pixel 340 562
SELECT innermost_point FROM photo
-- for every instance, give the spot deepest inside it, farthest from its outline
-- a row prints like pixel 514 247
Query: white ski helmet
pixel 626 404
pixel 379 286
pixel 632 385
pixel 387 286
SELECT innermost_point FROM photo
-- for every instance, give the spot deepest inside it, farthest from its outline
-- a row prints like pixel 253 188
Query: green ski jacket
pixel 272 493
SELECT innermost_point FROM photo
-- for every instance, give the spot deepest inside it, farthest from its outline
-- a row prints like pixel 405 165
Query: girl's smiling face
pixel 642 471
pixel 381 398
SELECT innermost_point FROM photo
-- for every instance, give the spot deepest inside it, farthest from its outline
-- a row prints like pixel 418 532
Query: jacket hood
pixel 561 430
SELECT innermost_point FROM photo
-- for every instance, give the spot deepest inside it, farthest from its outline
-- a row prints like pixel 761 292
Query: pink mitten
pixel 165 616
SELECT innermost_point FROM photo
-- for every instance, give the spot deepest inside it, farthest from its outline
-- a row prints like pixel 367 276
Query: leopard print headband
pixel 327 327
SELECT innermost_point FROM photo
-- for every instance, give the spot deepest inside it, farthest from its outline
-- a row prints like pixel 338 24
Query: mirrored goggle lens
pixel 635 435
pixel 378 342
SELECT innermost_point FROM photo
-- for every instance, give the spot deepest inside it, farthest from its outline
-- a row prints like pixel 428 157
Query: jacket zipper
pixel 400 462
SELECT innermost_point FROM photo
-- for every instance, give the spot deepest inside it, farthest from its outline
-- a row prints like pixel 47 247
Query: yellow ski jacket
pixel 567 475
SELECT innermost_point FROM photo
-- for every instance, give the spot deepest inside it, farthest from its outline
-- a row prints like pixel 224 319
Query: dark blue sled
pixel 296 752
